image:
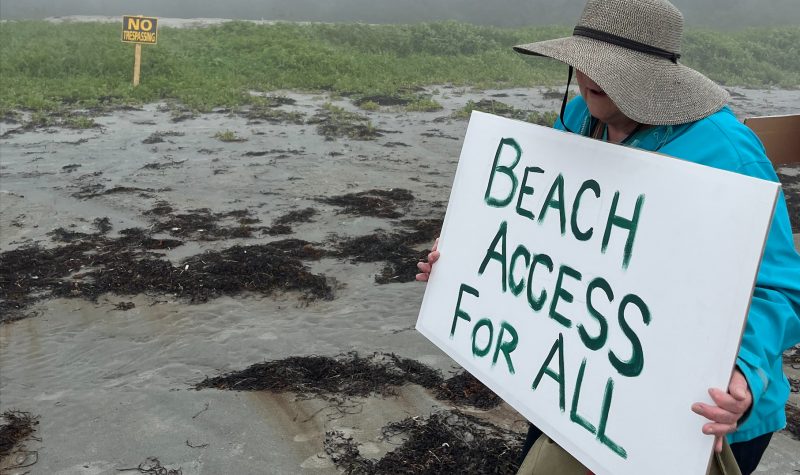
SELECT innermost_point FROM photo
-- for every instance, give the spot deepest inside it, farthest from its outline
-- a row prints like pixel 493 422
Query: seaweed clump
pixel 395 249
pixel 103 225
pixel 92 266
pixel 277 230
pixel 351 375
pixel 95 190
pixel 465 389
pixel 203 224
pixel 158 136
pixel 376 203
pixel 400 258
pixel 259 268
pixel 65 235
pixel 296 248
pixel 18 427
pixel 161 208
pixel 445 442
pixel 152 466
pixel 28 273
pixel 281 224
pixel 297 216
pixel 324 376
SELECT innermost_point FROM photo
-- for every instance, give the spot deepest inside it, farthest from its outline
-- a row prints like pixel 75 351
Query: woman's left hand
pixel 729 409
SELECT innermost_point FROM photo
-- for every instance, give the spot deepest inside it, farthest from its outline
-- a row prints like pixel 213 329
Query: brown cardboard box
pixel 780 135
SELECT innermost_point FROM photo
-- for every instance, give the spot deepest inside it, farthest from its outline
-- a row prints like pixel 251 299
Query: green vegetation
pixel 228 136
pixel 266 109
pixel 369 105
pixel 492 107
pixel 542 118
pixel 79 122
pixel 47 66
pixel 410 101
pixel 333 122
pixel 424 105
pixel 501 108
pixel 43 119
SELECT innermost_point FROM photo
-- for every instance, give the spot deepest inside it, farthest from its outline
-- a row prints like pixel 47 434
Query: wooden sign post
pixel 137 63
pixel 592 286
pixel 139 30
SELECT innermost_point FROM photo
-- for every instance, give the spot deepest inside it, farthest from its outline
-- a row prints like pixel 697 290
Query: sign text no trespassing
pixel 137 29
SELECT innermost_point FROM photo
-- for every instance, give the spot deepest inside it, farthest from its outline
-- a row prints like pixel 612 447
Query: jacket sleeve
pixel 773 324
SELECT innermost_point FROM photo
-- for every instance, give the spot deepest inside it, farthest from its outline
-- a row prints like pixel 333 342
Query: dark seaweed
pixel 203 224
pixel 348 375
pixel 377 203
pixel 259 268
pixel 93 191
pixel 396 249
pixel 90 267
pixel 445 442
pixel 158 137
pixel 353 375
pixel 464 389
pixel 152 466
pixel 298 216
pixel 103 225
pixel 18 426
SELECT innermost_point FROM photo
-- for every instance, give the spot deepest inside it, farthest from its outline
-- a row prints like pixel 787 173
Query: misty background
pixel 713 13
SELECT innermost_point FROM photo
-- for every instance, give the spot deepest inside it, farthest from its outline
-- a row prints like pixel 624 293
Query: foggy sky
pixel 718 13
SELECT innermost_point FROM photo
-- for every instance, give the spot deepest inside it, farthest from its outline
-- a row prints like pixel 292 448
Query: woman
pixel 634 92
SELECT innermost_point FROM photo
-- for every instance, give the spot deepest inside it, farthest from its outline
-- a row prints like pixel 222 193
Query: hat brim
pixel 646 88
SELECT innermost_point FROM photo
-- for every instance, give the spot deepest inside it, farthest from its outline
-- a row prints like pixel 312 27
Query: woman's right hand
pixel 425 267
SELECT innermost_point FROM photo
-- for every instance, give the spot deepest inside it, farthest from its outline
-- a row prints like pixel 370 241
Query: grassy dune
pixel 45 66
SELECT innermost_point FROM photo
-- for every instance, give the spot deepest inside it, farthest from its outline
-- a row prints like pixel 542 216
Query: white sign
pixel 598 289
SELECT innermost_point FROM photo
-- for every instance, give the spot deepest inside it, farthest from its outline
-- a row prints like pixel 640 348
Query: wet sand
pixel 113 386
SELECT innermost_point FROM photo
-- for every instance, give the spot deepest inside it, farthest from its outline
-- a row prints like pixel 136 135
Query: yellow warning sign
pixel 138 29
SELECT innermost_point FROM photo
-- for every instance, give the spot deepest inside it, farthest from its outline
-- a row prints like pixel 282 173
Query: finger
pixel 728 402
pixel 435 245
pixel 738 387
pixel 717 429
pixel 422 277
pixel 718 444
pixel 433 256
pixel 715 414
pixel 424 267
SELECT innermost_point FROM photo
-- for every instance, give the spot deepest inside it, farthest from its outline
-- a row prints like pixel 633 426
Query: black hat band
pixel 625 43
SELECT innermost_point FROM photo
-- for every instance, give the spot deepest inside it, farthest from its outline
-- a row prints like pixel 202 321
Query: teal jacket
pixel 773 324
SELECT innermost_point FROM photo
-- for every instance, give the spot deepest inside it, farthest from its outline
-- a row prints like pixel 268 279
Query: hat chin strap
pixel 564 101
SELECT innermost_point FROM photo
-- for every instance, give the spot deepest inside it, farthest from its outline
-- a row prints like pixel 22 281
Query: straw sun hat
pixel 631 48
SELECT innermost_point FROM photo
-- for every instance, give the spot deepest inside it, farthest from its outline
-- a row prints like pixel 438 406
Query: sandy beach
pixel 141 286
